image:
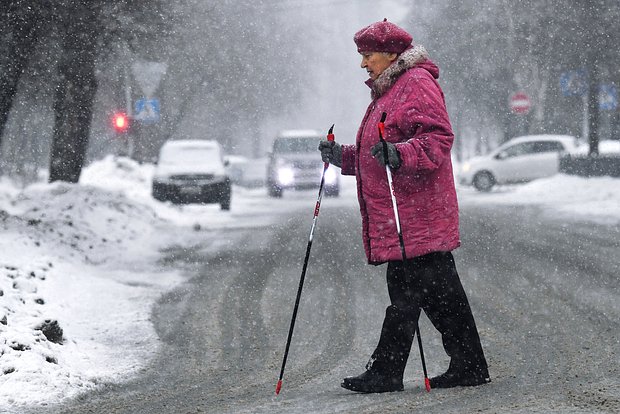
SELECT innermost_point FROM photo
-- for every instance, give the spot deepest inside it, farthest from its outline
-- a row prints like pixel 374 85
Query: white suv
pixel 519 160
pixel 295 163
pixel 192 171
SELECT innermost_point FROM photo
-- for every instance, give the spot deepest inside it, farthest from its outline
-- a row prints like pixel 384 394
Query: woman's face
pixel 376 62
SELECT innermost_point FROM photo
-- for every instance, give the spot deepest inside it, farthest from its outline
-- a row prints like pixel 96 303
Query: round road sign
pixel 520 103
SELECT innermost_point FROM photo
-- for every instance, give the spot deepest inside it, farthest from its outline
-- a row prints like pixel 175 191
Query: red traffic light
pixel 120 121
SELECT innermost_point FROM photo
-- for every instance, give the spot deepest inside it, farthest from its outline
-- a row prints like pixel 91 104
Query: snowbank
pixel 595 199
pixel 78 265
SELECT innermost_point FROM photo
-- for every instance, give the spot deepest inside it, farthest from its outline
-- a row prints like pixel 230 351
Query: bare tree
pixel 76 90
pixel 19 28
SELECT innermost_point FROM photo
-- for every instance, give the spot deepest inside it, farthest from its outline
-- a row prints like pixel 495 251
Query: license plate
pixel 190 190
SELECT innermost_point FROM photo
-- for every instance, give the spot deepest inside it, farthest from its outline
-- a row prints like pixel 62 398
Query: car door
pixel 514 163
pixel 547 158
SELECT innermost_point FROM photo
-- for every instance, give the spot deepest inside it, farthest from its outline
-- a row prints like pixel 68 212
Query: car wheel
pixel 225 202
pixel 225 197
pixel 484 181
pixel 275 191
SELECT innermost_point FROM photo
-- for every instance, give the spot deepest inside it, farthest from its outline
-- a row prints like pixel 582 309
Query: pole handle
pixel 382 126
pixel 330 133
pixel 330 137
pixel 383 141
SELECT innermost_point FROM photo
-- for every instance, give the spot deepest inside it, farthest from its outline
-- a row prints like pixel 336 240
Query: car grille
pixel 192 177
pixel 306 165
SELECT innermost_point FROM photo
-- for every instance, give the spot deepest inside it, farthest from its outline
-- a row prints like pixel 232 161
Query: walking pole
pixel 330 137
pixel 427 382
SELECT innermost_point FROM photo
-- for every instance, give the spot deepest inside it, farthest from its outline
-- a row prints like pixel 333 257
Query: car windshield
pixel 301 144
pixel 189 155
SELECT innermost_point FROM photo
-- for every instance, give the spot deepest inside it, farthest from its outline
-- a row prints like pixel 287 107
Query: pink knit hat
pixel 382 37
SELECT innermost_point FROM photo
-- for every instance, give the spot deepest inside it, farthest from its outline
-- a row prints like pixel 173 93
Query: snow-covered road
pixel 544 292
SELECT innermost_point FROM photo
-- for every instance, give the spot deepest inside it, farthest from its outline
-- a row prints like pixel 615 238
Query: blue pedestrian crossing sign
pixel 147 110
pixel 574 82
pixel 608 97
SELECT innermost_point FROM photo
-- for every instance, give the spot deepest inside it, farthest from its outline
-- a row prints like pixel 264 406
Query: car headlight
pixel 286 175
pixel 466 167
pixel 331 176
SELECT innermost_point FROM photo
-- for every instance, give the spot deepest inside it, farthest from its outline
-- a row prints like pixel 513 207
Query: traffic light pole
pixel 128 107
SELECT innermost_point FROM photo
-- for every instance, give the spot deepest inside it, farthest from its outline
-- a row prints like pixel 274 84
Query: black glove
pixel 331 152
pixel 392 154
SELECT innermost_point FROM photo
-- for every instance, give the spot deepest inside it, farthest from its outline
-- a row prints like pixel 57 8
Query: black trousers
pixel 431 283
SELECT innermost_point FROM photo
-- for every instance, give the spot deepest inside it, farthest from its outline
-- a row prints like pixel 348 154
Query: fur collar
pixel 406 60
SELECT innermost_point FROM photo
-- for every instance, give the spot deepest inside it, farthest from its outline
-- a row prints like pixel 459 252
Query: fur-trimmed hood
pixel 416 56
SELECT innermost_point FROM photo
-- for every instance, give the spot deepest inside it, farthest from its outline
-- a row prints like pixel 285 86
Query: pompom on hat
pixel 382 37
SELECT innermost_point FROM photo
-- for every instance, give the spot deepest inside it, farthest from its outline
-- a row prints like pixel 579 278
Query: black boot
pixel 377 378
pixel 384 371
pixel 462 376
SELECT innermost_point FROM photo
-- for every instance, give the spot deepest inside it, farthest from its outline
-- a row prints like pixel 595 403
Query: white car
pixel 192 171
pixel 518 160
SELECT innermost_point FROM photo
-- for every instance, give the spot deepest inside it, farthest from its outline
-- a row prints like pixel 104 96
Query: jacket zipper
pixel 359 177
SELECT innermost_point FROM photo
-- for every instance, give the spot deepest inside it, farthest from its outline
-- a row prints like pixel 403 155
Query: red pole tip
pixel 427 384
pixel 278 387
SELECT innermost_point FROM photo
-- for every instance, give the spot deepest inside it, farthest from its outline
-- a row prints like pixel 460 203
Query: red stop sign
pixel 520 103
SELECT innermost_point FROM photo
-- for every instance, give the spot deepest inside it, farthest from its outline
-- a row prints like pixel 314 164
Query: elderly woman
pixel 403 84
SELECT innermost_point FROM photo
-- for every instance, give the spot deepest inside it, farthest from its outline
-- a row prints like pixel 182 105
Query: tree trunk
pixel 20 25
pixel 75 95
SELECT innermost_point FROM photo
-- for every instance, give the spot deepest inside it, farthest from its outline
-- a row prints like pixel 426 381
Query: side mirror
pixel 501 155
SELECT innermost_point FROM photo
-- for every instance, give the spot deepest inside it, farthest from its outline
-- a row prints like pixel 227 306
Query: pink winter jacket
pixel 417 123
